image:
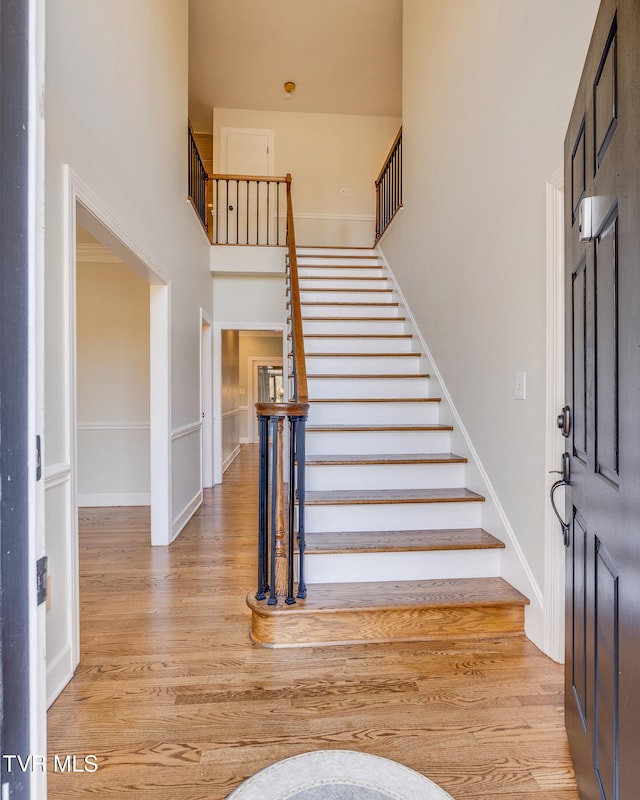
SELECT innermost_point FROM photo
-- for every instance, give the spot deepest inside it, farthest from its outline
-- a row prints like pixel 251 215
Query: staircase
pixel 395 549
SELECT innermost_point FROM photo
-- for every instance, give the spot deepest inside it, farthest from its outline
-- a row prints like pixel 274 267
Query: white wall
pixel 325 153
pixel 113 385
pixel 488 88
pixel 230 396
pixel 116 113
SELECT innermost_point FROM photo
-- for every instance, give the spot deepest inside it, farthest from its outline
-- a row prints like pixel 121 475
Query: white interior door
pixel 246 151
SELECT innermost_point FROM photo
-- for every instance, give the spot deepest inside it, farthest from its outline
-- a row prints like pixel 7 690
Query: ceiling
pixel 345 56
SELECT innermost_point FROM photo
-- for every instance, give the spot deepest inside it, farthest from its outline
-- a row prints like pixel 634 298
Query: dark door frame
pixel 14 387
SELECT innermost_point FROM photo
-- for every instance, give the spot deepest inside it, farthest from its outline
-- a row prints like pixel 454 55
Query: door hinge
pixel 38 458
pixel 42 565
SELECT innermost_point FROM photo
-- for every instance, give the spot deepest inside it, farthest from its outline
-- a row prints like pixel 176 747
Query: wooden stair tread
pixel 333 289
pixel 358 355
pixel 376 375
pixel 391 496
pixel 358 336
pixel 339 278
pixel 335 598
pixel 350 304
pixel 358 428
pixel 387 458
pixel 400 541
pixel 351 319
pixel 376 400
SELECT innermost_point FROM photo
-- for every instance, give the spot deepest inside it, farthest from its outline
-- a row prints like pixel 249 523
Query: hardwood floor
pixel 177 704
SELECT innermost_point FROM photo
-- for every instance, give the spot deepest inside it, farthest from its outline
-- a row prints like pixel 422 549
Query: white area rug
pixel 338 775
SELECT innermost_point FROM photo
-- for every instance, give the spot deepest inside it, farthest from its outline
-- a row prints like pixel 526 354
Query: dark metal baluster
pixel 263 517
pixel 268 193
pixel 292 508
pixel 272 601
pixel 300 460
pixel 248 192
pixel 257 212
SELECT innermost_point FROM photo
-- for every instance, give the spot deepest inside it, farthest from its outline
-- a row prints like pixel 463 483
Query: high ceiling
pixel 345 56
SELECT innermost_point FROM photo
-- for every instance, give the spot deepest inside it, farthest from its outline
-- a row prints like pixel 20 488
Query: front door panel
pixel 602 220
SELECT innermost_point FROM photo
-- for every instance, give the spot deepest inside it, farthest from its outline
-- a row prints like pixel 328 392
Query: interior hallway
pixel 176 703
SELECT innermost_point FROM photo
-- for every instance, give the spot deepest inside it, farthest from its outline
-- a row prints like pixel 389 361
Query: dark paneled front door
pixel 602 216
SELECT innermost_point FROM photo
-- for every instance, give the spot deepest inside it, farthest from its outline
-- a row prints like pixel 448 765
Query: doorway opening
pixel 248 366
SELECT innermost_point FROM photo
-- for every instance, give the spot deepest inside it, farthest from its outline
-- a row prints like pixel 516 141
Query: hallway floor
pixel 177 704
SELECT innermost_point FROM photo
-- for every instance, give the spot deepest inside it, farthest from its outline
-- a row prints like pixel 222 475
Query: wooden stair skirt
pixel 404 611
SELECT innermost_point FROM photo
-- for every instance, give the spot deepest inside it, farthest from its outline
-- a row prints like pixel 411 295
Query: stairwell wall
pixel 116 115
pixel 487 92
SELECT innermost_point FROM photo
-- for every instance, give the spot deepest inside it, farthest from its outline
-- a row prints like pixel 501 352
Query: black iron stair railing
pixel 248 210
pixel 198 179
pixel 389 187
pixel 281 543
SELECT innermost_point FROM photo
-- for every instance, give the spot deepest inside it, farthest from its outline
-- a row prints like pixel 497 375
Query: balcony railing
pixel 248 210
pixel 389 187
pixel 198 180
pixel 281 541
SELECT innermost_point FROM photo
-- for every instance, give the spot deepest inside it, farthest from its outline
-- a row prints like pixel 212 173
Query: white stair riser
pixel 444 564
pixel 357 345
pixel 395 516
pixel 389 325
pixel 349 311
pixel 384 476
pixel 373 413
pixel 375 365
pixel 351 296
pixel 343 261
pixel 346 272
pixel 367 387
pixel 342 283
pixel 322 252
pixel 372 443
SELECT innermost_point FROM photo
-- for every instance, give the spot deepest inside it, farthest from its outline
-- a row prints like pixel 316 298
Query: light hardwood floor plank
pixel 177 704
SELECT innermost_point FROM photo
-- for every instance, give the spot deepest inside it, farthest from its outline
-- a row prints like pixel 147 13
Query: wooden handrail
pixel 385 163
pixel 260 178
pixel 302 392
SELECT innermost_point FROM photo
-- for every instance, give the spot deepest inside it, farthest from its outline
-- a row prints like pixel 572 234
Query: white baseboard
pixel 230 459
pixel 245 440
pixel 185 515
pixel 59 672
pixel 107 499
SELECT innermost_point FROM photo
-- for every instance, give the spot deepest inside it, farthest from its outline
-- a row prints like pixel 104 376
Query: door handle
pixel 564 480
pixel 564 421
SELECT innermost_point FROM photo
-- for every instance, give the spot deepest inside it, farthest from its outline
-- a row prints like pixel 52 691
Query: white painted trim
pixel 58 670
pixel 206 400
pixel 218 327
pixel 186 430
pixel 114 426
pixel 554 552
pixel 515 567
pixel 160 414
pixel 231 458
pixel 234 412
pixel 269 133
pixel 109 499
pixel 56 474
pixel 244 440
pixel 185 515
